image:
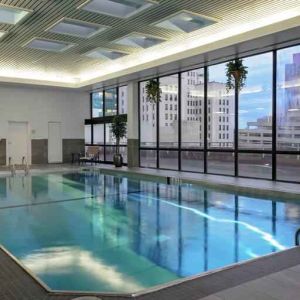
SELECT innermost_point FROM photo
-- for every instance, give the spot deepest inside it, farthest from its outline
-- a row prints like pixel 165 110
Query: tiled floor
pixel 273 277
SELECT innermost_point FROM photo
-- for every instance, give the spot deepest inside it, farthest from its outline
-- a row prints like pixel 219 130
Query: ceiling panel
pixel 73 63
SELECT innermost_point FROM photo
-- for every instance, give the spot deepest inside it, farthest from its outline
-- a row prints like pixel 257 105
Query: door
pixel 18 142
pixel 54 142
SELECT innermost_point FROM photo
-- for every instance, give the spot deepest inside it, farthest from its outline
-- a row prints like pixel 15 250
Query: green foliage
pixel 236 74
pixel 153 91
pixel 119 128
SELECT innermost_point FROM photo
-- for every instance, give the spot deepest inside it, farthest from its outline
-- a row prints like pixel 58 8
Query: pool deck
pixel 272 277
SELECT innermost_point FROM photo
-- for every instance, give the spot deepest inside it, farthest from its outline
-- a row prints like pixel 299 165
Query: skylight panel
pixel 117 8
pixel 2 33
pixel 105 54
pixel 139 40
pixel 12 15
pixel 77 28
pixel 48 45
pixel 186 22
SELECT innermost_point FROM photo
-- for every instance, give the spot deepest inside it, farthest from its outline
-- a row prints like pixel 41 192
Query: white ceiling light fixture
pixel 48 45
pixel 117 8
pixel 76 28
pixel 12 15
pixel 101 53
pixel 185 21
pixel 138 40
pixel 2 33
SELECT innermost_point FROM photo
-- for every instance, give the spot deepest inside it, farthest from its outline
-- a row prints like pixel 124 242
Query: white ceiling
pixel 237 20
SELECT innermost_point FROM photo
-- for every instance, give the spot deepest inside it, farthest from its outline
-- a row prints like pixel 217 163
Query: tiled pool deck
pixel 275 276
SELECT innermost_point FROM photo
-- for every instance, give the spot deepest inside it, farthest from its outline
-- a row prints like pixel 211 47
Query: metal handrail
pixel 297 237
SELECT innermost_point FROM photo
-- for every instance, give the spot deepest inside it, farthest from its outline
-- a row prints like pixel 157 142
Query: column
pixel 133 125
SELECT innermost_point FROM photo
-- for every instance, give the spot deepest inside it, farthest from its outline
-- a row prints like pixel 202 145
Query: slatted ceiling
pixel 47 12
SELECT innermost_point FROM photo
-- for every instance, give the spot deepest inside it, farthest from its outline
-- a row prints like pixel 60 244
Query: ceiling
pixel 72 68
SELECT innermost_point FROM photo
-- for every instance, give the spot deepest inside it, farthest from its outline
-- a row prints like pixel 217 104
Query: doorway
pixel 18 145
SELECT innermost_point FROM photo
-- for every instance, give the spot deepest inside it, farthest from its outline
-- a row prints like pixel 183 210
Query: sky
pixel 255 99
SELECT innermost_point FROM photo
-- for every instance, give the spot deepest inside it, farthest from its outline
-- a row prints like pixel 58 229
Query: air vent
pixel 185 22
pixel 76 28
pixel 105 54
pixel 139 40
pixel 48 45
pixel 117 8
pixel 12 15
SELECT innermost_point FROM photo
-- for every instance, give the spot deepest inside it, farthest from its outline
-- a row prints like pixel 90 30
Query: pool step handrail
pixel 25 166
pixel 12 167
pixel 297 237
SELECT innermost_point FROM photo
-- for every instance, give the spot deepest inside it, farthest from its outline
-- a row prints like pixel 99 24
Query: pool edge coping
pixel 206 182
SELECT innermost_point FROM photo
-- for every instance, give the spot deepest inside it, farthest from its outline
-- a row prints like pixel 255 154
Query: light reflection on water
pixel 93 232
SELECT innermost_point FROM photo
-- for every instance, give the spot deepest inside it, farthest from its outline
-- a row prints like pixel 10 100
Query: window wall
pixel 104 106
pixel 199 126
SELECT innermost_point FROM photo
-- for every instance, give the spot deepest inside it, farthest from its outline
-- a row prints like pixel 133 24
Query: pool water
pixel 94 232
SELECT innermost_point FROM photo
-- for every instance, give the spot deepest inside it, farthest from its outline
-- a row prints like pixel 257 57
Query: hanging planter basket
pixel 153 91
pixel 236 74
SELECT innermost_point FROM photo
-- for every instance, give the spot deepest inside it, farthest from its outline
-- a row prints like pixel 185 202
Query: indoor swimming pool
pixel 91 231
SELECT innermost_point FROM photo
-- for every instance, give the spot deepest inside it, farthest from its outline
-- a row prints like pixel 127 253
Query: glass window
pixel 255 104
pixel 220 163
pixel 192 120
pixel 288 166
pixel 216 92
pixel 148 158
pixel 192 161
pixel 88 134
pixel 97 105
pixel 99 134
pixel 258 165
pixel 168 126
pixel 109 137
pixel 147 120
pixel 111 102
pixel 288 99
pixel 123 100
pixel 168 160
pixel 109 153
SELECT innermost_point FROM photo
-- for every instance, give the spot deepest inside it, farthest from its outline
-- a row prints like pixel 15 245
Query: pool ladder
pixel 12 167
pixel 25 166
pixel 297 237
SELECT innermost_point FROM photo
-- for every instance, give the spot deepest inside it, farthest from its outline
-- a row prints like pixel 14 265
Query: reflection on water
pixel 95 232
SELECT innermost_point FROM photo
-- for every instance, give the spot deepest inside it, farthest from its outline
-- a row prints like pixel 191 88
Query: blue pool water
pixel 94 232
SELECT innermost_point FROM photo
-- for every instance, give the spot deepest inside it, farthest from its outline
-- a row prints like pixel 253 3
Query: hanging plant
pixel 153 91
pixel 236 74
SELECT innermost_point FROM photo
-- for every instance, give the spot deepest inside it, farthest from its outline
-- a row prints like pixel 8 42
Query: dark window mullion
pixel 205 118
pixel 274 117
pixel 157 132
pixel 179 121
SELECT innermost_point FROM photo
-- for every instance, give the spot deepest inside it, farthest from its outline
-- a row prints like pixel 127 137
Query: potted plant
pixel 119 129
pixel 236 74
pixel 153 91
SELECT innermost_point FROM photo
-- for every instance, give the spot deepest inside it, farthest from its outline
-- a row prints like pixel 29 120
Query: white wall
pixel 38 106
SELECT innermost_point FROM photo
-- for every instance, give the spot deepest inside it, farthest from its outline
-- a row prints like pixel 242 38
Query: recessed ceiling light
pixel 76 28
pixel 139 40
pixel 2 33
pixel 12 15
pixel 117 8
pixel 48 45
pixel 105 54
pixel 185 21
